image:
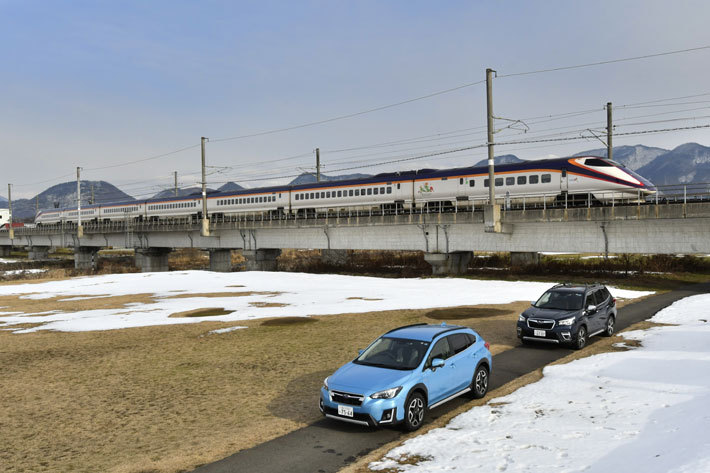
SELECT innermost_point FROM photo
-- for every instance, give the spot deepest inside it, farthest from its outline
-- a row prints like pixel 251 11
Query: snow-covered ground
pixel 642 410
pixel 20 271
pixel 274 294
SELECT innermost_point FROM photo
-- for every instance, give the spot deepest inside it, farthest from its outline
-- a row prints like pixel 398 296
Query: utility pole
pixel 317 164
pixel 205 221
pixel 609 149
pixel 491 212
pixel 93 199
pixel 176 187
pixel 79 228
pixel 491 159
pixel 36 204
pixel 11 230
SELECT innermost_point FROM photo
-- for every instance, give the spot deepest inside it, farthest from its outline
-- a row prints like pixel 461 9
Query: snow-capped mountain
pixel 688 163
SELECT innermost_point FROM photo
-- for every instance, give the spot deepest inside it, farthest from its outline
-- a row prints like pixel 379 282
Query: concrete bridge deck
pixel 670 228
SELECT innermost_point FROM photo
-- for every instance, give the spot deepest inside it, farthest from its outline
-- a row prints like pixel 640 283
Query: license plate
pixel 345 411
pixel 539 333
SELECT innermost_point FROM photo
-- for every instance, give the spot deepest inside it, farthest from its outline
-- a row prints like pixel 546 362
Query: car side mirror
pixel 532 303
pixel 437 363
pixel 591 309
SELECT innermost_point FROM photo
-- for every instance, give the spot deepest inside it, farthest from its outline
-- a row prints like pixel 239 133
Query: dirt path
pixel 327 446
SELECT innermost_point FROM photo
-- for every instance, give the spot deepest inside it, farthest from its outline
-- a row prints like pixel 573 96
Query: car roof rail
pixel 407 326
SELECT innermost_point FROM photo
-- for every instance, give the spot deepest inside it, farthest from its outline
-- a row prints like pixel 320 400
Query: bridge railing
pixel 671 194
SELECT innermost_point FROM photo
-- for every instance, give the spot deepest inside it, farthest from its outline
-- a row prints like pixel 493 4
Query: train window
pixel 444 178
pixel 398 185
pixel 350 193
pixel 534 179
pixel 460 180
pixel 499 181
pixel 357 192
pixel 377 191
pixel 369 191
pixel 509 181
pixel 261 199
pixel 389 189
pixel 564 173
pixel 311 195
pixel 522 180
pixel 486 182
pixel 546 178
pixel 298 197
pixel 382 190
pixel 598 162
pixel 340 193
pixel 471 183
pixel 327 194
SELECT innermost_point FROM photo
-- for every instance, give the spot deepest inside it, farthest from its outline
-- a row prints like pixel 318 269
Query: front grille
pixel 541 324
pixel 342 397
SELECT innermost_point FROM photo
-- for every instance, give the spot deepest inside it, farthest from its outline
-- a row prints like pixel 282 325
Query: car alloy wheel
pixel 609 331
pixel 480 382
pixel 415 412
pixel 581 337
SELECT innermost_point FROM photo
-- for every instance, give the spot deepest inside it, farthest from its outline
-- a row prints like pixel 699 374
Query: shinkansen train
pixel 579 178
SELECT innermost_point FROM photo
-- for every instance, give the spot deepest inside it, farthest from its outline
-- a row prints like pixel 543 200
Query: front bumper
pixel 372 412
pixel 560 334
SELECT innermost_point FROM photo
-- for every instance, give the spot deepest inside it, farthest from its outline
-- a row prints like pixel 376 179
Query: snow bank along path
pixel 297 294
pixel 643 410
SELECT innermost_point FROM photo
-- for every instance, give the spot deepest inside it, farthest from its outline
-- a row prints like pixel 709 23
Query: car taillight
pixel 487 345
pixel 613 301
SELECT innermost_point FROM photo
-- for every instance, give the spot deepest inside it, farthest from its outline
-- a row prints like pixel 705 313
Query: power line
pixel 600 63
pixel 350 115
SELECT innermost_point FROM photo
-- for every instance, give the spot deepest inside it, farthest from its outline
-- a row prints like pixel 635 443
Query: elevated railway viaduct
pixel 447 238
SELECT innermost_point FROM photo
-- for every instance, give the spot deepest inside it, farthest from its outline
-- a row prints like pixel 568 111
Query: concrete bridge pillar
pixel 334 257
pixel 448 263
pixel 524 258
pixel 261 260
pixel 86 257
pixel 152 259
pixel 37 253
pixel 221 260
pixel 5 251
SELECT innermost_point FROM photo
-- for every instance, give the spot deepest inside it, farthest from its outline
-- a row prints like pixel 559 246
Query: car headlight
pixel 521 318
pixel 387 393
pixel 566 322
pixel 325 384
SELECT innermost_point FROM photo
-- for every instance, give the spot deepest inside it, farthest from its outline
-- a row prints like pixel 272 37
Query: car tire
pixel 523 341
pixel 609 328
pixel 580 338
pixel 414 412
pixel 479 385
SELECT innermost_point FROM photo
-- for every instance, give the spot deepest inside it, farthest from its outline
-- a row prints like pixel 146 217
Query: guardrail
pixel 674 194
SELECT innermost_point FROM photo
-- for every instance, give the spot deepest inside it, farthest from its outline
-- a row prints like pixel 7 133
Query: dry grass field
pixel 166 399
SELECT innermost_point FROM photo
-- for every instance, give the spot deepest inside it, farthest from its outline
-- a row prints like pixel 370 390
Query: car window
pixel 458 342
pixel 560 300
pixel 441 350
pixel 394 353
pixel 600 297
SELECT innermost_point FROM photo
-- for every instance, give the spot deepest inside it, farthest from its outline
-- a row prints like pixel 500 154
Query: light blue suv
pixel 405 372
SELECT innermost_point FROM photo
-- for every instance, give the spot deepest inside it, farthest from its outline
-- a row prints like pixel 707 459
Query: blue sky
pixel 99 83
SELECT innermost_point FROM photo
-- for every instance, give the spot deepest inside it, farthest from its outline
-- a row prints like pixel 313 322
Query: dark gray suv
pixel 569 314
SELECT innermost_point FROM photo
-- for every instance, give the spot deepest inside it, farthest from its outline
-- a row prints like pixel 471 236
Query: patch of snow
pixel 6 261
pixel 644 409
pixel 300 295
pixel 598 256
pixel 227 330
pixel 21 271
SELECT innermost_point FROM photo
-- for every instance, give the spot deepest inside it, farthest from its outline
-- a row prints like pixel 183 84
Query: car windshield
pixel 394 353
pixel 560 300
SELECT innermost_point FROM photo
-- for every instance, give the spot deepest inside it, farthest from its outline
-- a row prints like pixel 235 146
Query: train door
pixel 564 183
